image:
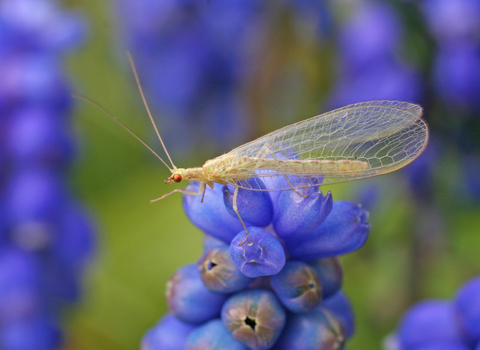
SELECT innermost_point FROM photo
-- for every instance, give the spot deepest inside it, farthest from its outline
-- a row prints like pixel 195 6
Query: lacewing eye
pixel 177 177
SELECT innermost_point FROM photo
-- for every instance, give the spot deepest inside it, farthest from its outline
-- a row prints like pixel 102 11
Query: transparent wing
pixel 356 141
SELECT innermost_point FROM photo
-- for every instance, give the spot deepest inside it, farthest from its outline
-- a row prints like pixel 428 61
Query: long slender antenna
pixel 88 99
pixel 146 106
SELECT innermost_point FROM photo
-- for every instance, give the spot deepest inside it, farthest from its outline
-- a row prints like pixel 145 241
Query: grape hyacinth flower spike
pixel 254 295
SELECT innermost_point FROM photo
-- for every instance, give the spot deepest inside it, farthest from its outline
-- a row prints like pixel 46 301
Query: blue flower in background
pixel 370 68
pixel 442 324
pixel 46 236
pixel 267 291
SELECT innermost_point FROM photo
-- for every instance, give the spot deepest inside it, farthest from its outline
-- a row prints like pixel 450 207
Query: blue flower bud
pixel 296 215
pixel 260 255
pixel 219 273
pixel 427 322
pixel 255 317
pixel 37 333
pixel 340 306
pixel 467 307
pixel 211 216
pixel 297 286
pixel 330 273
pixel 168 334
pixel 345 230
pixel 253 206
pixel 317 329
pixel 213 335
pixel 188 298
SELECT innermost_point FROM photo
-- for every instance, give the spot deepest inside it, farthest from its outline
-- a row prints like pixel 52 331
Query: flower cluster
pixel 442 324
pixel 280 288
pixel 45 234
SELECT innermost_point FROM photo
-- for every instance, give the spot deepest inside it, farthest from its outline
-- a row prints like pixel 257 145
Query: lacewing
pixel 353 142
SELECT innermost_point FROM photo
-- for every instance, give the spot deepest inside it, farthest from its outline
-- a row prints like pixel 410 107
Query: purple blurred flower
pixel 457 74
pixel 452 20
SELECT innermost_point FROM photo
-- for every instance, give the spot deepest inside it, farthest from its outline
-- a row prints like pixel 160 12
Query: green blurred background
pixel 140 245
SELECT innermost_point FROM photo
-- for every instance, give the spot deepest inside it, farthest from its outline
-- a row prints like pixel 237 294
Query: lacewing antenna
pixel 146 106
pixel 88 99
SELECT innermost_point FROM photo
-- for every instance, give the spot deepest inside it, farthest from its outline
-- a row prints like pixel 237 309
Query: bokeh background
pixel 218 74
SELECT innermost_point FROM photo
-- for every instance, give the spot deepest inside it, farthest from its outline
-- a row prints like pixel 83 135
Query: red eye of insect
pixel 177 177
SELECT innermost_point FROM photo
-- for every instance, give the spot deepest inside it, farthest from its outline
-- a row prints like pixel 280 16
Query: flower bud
pixel 296 215
pixel 213 335
pixel 168 334
pixel 344 231
pixel 219 273
pixel 297 286
pixel 315 330
pixel 255 317
pixel 330 273
pixel 260 255
pixel 188 298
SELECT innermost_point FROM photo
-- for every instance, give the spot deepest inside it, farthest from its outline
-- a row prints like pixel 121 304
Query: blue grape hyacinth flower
pixel 267 290
pixel 442 324
pixel 46 237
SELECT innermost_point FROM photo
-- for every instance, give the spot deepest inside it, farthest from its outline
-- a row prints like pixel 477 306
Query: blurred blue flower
pixel 452 20
pixel 386 79
pixel 370 67
pixel 442 324
pixel 467 307
pixel 46 239
pixel 456 74
pixel 372 34
pixel 194 58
